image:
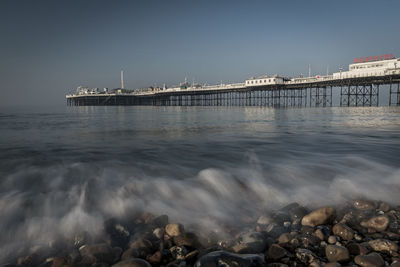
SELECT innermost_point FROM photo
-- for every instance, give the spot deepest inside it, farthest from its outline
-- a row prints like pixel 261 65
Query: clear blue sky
pixel 50 47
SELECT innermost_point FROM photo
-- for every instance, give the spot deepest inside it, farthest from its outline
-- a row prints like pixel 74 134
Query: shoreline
pixel 359 232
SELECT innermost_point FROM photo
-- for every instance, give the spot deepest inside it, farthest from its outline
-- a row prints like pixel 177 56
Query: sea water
pixel 67 169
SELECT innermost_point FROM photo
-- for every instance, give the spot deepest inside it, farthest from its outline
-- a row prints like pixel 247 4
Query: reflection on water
pixel 63 170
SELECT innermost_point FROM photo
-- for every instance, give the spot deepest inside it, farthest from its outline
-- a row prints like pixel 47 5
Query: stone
pixel 274 230
pixel 59 262
pixel 318 233
pixel 320 216
pixel 174 229
pixel 377 223
pixel 178 253
pixel 395 264
pixel 130 253
pixel 117 233
pixel 276 252
pixel 132 263
pixel 155 258
pixel 305 255
pixel 277 264
pixel 160 221
pixel 364 204
pixel 186 239
pixel 385 207
pixel 337 253
pixel 357 249
pixel 284 238
pixel 252 242
pixel 143 247
pixel 332 239
pixel 159 233
pixel 264 220
pixel 332 264
pixel 101 252
pixel 371 260
pixel 383 245
pixel 224 258
pixel 343 231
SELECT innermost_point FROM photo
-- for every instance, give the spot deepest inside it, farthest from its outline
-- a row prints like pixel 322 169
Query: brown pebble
pixel 343 231
pixel 276 252
pixel 371 260
pixel 382 245
pixel 377 223
pixel 174 229
pixel 364 204
pixel 320 216
pixel 336 253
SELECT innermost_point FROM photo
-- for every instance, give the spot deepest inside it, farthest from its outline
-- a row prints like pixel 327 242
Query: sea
pixel 67 169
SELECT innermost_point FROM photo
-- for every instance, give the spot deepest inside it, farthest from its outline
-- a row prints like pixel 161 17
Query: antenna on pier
pixel 122 79
pixel 309 70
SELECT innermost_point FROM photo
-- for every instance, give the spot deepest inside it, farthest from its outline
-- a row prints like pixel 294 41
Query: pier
pixel 359 86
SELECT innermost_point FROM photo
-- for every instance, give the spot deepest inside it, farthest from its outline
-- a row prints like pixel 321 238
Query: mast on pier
pixel 122 79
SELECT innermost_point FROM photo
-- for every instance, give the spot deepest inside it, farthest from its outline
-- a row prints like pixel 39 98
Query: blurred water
pixel 66 169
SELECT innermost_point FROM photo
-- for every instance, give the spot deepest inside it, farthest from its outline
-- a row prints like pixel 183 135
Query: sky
pixel 49 47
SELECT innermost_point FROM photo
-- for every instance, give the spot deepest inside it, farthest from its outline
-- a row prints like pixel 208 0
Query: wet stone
pixel 252 242
pixel 132 263
pixel 377 223
pixel 337 253
pixel 174 229
pixel 264 220
pixel 284 238
pixel 159 233
pixel 305 255
pixel 186 239
pixel 332 239
pixel 383 245
pixel 357 249
pixel 223 258
pixel 371 260
pixel 101 252
pixel 155 258
pixel 178 253
pixel 343 231
pixel 160 221
pixel 383 206
pixel 332 264
pixel 276 252
pixel 320 216
pixel 364 204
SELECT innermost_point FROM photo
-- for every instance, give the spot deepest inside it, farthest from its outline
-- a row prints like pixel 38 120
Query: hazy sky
pixel 50 47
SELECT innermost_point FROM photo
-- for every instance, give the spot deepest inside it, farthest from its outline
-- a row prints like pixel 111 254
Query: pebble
pixel 101 252
pixel 320 216
pixel 343 231
pixel 174 229
pixel 383 245
pixel 332 264
pixel 252 242
pixel 385 207
pixel 337 253
pixel 159 233
pixel 364 204
pixel 377 223
pixel 276 252
pixel 224 258
pixel 371 260
pixel 264 220
pixel 332 239
pixel 357 249
pixel 305 255
pixel 186 239
pixel 132 263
